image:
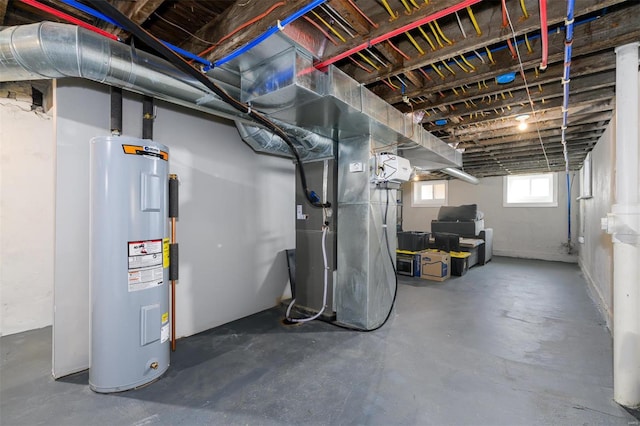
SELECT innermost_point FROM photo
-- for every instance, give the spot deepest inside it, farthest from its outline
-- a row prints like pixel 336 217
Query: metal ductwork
pixel 461 175
pixel 328 114
pixel 310 145
pixel 49 50
pixel 285 85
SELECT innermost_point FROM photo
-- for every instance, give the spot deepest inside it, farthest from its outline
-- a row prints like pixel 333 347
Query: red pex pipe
pixel 69 18
pixel 466 3
pixel 544 34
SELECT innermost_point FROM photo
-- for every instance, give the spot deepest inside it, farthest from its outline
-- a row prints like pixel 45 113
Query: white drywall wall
pixel 236 216
pixel 27 180
pixel 596 253
pixel 236 220
pixel 82 112
pixel 529 232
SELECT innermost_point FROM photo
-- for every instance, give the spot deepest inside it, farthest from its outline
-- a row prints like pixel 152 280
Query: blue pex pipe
pixel 92 12
pixel 565 103
pixel 96 14
pixel 268 33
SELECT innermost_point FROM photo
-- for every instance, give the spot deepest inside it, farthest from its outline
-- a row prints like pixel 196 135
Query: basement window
pixel 539 190
pixel 430 193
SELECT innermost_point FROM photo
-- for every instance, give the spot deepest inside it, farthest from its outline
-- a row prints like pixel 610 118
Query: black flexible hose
pixel 155 44
pixel 395 274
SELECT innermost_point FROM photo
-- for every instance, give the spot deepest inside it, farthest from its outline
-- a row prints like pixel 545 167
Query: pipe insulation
pixel 174 265
pixel 174 185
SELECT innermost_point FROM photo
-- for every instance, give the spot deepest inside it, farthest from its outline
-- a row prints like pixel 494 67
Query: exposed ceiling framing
pixel 444 70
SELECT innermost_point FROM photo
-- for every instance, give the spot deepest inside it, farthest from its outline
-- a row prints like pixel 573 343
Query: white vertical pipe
pixel 626 250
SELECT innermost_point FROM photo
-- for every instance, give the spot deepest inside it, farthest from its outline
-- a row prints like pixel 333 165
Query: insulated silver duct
pixel 311 146
pixel 49 50
pixel 461 175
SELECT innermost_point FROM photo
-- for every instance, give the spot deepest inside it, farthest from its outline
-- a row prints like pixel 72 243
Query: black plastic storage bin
pixel 459 265
pixel 413 240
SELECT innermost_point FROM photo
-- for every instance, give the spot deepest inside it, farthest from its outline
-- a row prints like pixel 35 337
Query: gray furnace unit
pixel 129 263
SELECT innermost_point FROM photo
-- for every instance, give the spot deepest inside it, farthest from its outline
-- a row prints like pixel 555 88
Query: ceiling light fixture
pixel 522 121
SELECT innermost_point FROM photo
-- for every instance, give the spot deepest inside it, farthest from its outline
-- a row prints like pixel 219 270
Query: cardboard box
pixel 435 265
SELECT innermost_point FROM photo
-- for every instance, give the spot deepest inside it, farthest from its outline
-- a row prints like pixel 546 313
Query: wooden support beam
pixel 138 11
pixel 579 103
pixel 3 10
pixel 253 18
pixel 492 33
pixel 509 162
pixel 386 25
pixel 580 67
pixel 355 19
pixel 548 137
pixel 390 54
pixel 605 33
pixel 553 156
pixel 520 98
pixel 414 78
pixel 550 147
pixel 481 150
pixel 512 134
pixel 538 166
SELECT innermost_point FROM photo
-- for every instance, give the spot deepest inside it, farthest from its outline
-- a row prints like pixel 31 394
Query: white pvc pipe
pixel 626 214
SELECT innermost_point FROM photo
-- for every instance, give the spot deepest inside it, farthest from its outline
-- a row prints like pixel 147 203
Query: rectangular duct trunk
pixel 365 278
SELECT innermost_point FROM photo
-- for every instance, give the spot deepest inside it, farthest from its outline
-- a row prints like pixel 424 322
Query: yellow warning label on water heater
pixel 165 253
pixel 165 317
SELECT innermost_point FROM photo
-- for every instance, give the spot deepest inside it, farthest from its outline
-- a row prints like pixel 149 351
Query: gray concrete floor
pixel 514 342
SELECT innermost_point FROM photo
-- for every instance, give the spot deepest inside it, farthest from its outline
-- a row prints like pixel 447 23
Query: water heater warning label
pixel 145 264
pixel 164 333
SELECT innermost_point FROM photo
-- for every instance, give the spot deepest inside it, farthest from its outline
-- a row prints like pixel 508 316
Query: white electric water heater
pixel 129 263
